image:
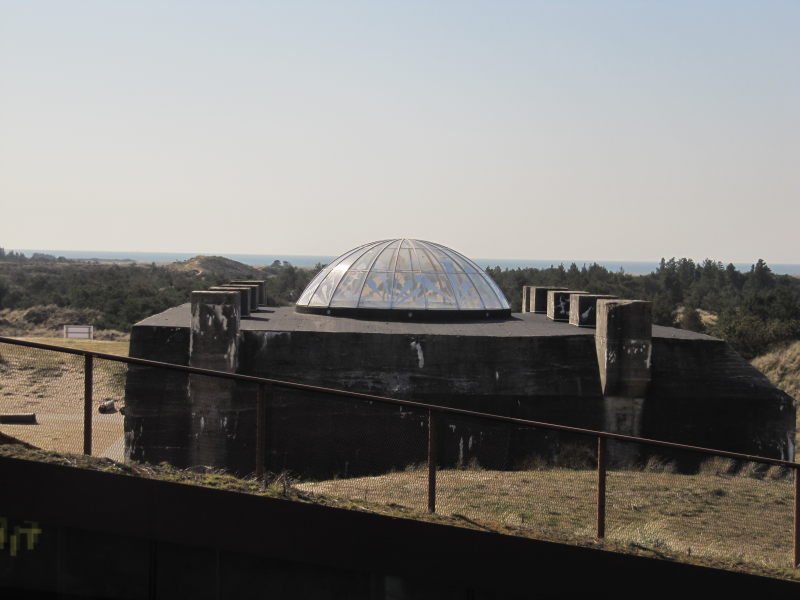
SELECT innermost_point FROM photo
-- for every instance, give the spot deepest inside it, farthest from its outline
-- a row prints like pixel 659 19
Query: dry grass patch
pixel 712 514
pixel 51 385
pixel 118 347
pixel 782 367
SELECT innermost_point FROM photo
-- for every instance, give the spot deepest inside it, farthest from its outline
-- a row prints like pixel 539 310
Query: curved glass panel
pixel 324 292
pixel 365 262
pixel 448 264
pixel 377 290
pixel 438 291
pixel 403 274
pixel 406 292
pixel 487 295
pixel 467 296
pixel 311 287
pixel 405 260
pixel 349 290
pixel 385 260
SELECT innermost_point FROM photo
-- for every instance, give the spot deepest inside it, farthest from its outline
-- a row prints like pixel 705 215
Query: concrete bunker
pixel 418 321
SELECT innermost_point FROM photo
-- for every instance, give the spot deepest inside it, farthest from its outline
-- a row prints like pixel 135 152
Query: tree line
pixel 123 294
pixel 752 310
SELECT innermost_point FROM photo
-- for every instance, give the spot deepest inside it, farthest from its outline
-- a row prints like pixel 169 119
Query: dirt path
pixel 51 385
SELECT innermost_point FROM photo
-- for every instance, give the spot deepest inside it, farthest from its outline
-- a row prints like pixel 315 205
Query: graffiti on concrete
pixel 18 538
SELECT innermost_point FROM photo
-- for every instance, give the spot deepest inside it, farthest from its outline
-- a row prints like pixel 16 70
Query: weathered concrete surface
pixel 527 298
pixel 583 308
pixel 558 303
pixel 624 347
pixel 527 366
pixel 252 293
pixel 244 297
pixel 707 392
pixel 261 286
pixel 539 298
pixel 157 408
pixel 213 344
pixel 254 289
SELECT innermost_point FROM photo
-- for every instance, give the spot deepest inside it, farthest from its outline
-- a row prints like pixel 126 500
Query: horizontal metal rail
pixel 403 403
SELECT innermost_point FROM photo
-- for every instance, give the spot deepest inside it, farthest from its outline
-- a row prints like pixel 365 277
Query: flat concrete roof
pixel 284 318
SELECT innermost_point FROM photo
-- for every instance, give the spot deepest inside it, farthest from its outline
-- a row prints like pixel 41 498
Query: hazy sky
pixel 565 129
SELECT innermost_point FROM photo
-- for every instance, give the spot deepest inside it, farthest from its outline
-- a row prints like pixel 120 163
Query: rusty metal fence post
pixel 261 431
pixel 432 458
pixel 88 369
pixel 796 536
pixel 601 487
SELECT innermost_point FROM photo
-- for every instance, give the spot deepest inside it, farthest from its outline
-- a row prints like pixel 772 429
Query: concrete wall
pixel 157 407
pixel 543 378
pixel 701 393
pixel 708 393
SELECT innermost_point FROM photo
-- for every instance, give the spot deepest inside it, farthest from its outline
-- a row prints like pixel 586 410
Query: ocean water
pixel 301 260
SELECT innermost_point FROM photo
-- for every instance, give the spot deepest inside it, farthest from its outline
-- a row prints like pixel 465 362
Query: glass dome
pixel 408 279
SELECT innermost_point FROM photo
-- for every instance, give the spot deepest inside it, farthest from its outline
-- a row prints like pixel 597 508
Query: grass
pixel 713 514
pixel 50 384
pixel 119 348
pixel 736 522
pixel 782 367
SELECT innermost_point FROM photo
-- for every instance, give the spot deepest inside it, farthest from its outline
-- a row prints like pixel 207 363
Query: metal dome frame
pixel 404 279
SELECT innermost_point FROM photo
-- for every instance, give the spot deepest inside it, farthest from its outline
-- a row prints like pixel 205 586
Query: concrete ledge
pixel 583 308
pixel 262 288
pixel 538 296
pixel 558 303
pixel 527 297
pixel 255 293
pixel 623 340
pixel 243 294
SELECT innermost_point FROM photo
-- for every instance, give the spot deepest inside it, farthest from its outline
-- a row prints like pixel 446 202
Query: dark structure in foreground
pixel 168 547
pixel 624 376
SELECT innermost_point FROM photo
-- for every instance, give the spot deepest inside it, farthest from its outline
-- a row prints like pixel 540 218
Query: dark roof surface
pixel 284 318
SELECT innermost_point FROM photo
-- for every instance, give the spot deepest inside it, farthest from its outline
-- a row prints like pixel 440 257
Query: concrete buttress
pixel 214 344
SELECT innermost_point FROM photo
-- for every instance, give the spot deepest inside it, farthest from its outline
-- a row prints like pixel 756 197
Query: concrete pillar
pixel 262 288
pixel 243 293
pixel 583 308
pixel 558 303
pixel 255 293
pixel 623 341
pixel 526 298
pixel 538 298
pixel 252 292
pixel 213 344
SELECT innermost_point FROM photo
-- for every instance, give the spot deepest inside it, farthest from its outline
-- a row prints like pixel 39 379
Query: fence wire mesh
pixel 108 399
pixel 511 477
pixel 48 384
pixel 374 453
pixel 699 505
pixel 516 477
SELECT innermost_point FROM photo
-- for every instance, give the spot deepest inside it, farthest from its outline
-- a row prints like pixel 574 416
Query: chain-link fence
pixel 504 474
pixel 714 507
pixel 43 400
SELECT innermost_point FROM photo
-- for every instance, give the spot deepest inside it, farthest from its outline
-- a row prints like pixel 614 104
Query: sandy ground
pixel 51 385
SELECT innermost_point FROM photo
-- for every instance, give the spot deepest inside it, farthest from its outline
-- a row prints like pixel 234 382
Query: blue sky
pixel 596 130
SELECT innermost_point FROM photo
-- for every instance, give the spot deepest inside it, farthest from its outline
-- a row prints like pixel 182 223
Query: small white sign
pixel 81 332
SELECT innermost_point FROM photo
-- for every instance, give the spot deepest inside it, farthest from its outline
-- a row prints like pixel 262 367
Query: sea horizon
pixel 634 267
